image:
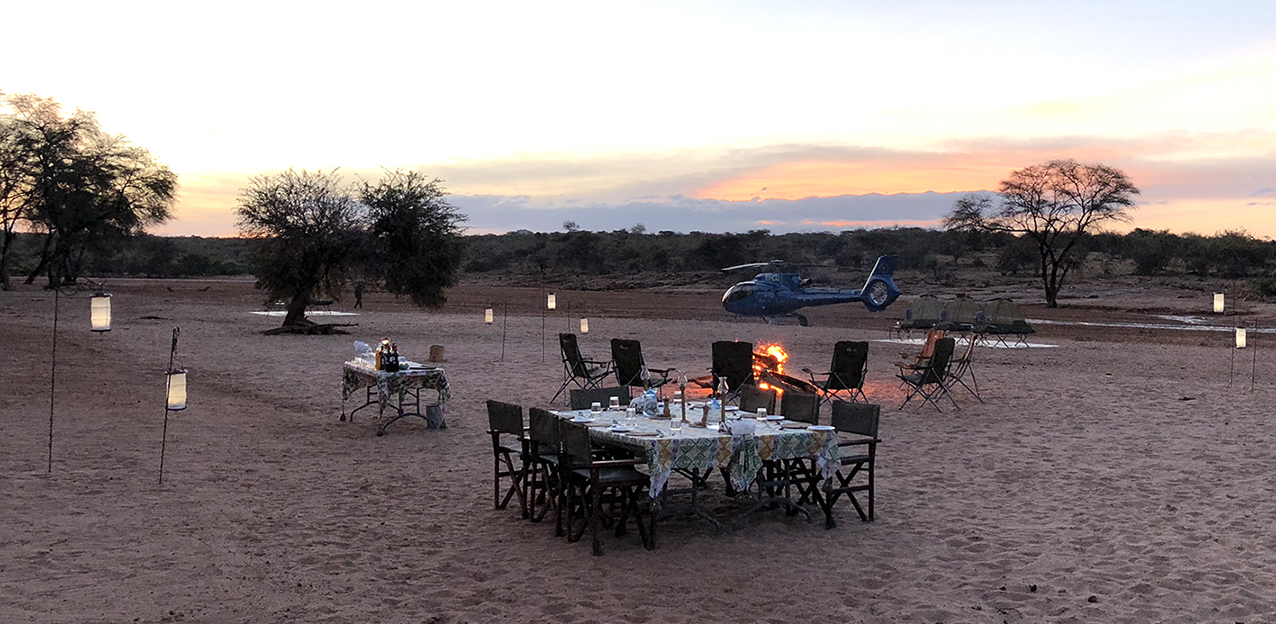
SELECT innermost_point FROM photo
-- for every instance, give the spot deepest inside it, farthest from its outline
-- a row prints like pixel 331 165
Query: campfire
pixel 768 371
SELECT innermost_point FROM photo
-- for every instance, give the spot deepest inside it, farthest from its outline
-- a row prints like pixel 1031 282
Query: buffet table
pixel 399 391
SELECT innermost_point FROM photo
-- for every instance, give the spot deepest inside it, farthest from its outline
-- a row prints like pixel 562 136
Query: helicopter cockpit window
pixel 737 292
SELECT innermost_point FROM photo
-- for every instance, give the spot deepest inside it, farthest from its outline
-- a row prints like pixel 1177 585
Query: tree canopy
pixel 1055 204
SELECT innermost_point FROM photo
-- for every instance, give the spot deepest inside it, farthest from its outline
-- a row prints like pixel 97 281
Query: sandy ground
pixel 1115 478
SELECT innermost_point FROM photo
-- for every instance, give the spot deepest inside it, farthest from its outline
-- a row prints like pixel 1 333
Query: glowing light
pixel 1218 302
pixel 488 316
pixel 100 312
pixel 551 302
pixel 1240 337
pixel 177 390
pixel 584 326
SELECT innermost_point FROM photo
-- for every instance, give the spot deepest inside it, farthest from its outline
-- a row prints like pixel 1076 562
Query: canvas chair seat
pixel 615 475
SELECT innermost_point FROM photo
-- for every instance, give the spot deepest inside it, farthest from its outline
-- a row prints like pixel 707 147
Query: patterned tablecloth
pixel 705 449
pixel 356 375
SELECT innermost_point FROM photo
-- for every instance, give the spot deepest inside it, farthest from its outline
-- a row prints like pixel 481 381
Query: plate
pixel 820 428
pixel 582 419
pixel 732 408
pixel 619 429
pixel 774 418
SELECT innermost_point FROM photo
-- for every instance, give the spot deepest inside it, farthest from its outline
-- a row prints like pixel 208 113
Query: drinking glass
pixel 631 417
pixel 614 405
pixel 595 409
pixel 675 426
pixel 761 415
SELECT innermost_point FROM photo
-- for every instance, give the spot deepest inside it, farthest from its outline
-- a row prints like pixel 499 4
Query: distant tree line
pixel 1231 254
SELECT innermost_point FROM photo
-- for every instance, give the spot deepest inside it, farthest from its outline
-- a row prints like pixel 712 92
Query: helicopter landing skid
pixel 775 320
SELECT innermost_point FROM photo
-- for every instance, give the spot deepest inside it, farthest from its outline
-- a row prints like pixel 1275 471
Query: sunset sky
pixel 713 116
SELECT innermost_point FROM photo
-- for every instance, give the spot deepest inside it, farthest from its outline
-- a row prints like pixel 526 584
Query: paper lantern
pixel 177 390
pixel 488 316
pixel 1218 302
pixel 551 302
pixel 1240 337
pixel 100 312
pixel 584 326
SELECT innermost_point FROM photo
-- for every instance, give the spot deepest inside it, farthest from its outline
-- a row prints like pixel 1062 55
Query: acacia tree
pixel 416 244
pixel 317 232
pixel 81 187
pixel 1055 205
pixel 310 228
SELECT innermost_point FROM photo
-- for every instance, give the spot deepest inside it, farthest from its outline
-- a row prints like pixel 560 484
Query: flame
pixel 762 362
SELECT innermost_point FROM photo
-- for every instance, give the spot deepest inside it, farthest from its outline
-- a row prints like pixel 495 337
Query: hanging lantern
pixel 488 316
pixel 1218 303
pixel 551 302
pixel 584 326
pixel 177 390
pixel 100 312
pixel 1240 337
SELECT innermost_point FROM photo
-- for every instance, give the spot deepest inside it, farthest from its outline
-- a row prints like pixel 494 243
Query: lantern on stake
pixel 584 326
pixel 100 312
pixel 551 302
pixel 1218 303
pixel 488 316
pixel 1240 337
pixel 176 390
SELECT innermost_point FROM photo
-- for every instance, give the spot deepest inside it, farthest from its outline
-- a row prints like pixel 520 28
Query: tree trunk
pixel 297 309
pixel 5 283
pixel 44 260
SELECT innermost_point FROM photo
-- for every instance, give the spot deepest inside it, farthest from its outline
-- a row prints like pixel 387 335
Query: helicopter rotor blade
pixel 751 265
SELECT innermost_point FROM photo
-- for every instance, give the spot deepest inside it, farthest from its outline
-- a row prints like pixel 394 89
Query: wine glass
pixel 614 405
pixel 595 409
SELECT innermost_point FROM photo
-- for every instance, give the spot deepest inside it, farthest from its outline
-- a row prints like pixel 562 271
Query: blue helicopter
pixel 773 296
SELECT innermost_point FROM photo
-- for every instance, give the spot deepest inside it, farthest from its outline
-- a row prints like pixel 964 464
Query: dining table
pixel 697 452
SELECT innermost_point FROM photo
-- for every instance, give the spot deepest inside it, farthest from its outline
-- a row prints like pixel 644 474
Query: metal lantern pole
pixel 53 369
pixel 505 318
pixel 1253 367
pixel 168 387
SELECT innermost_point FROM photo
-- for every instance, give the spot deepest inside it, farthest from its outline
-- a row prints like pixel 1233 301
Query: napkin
pixel 742 427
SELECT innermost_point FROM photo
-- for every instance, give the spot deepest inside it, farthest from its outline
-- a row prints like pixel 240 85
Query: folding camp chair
pixel 596 488
pixel 507 419
pixel 631 369
pixel 582 399
pixel 733 361
pixel 860 423
pixel 753 397
pixel 961 369
pixel 576 369
pixel 846 372
pixel 931 380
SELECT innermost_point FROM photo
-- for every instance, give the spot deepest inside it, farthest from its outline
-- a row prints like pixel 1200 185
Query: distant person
pixel 358 295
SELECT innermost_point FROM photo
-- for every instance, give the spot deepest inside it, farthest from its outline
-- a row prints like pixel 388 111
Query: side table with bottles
pixel 400 391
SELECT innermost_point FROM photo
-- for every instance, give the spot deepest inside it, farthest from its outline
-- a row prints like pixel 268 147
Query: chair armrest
pixel 859 442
